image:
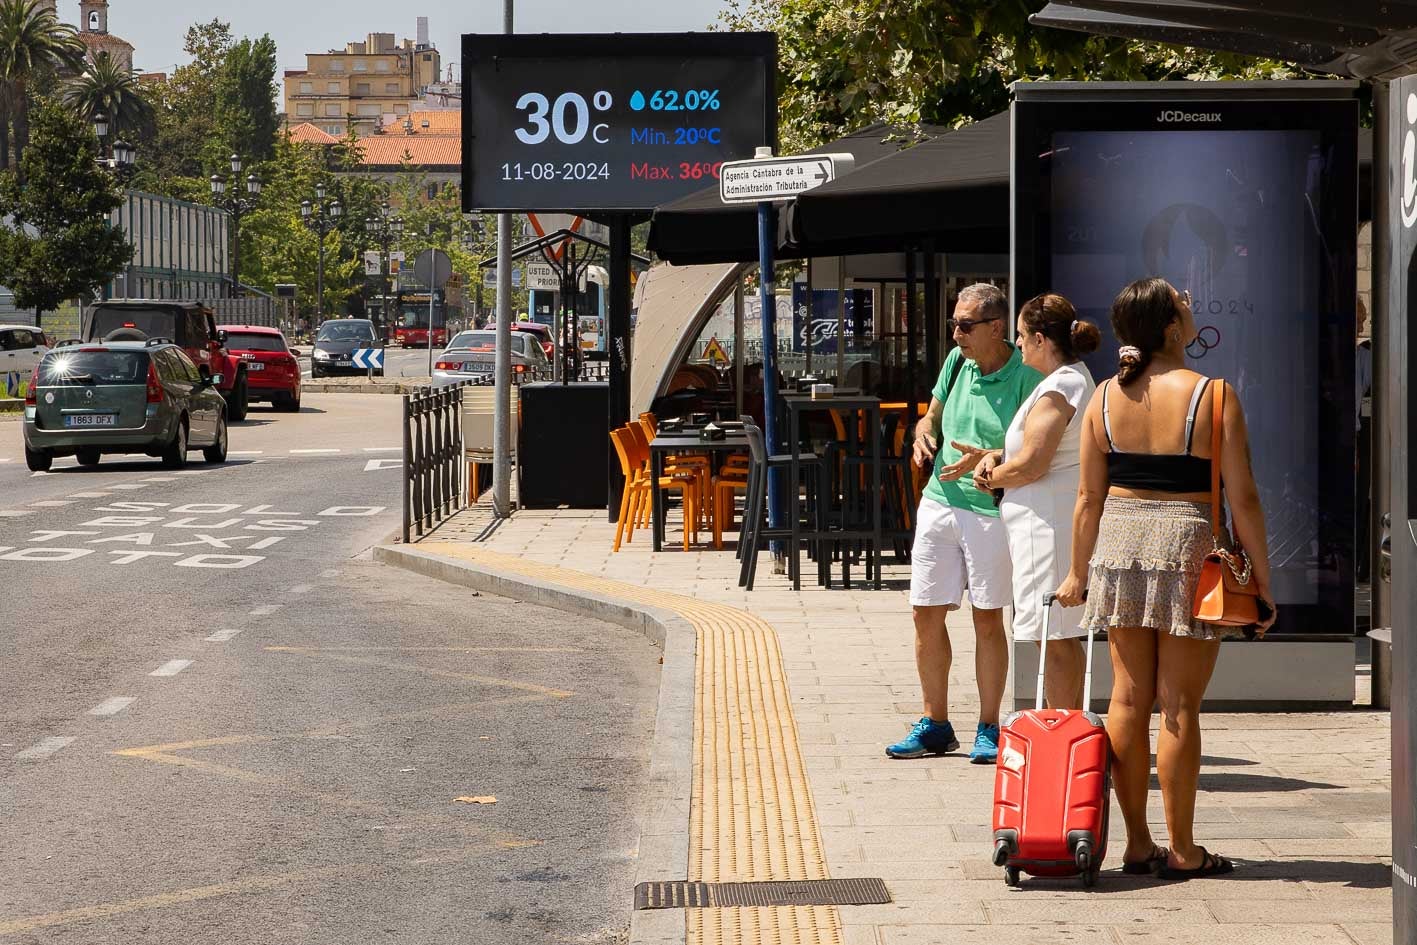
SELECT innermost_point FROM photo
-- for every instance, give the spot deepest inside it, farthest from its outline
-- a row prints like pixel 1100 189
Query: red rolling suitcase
pixel 1053 786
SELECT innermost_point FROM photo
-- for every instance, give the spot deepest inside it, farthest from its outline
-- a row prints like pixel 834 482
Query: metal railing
pixel 432 458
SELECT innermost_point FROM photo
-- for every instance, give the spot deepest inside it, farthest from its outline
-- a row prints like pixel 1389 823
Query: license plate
pixel 344 360
pixel 475 366
pixel 255 366
pixel 91 420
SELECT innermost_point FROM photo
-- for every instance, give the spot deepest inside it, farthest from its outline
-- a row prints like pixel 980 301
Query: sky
pixel 156 27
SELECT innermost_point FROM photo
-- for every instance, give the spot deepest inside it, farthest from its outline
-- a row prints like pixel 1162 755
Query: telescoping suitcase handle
pixel 1049 600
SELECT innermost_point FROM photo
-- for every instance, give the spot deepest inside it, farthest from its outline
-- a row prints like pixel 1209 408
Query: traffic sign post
pixel 763 180
pixel 369 359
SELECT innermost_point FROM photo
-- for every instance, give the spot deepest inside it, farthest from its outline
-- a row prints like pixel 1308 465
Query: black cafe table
pixel 853 530
pixel 666 444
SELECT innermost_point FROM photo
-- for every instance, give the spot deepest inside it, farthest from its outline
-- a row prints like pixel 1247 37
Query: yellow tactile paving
pixel 751 815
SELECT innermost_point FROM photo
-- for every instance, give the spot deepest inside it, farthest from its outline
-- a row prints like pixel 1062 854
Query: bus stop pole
pixel 502 367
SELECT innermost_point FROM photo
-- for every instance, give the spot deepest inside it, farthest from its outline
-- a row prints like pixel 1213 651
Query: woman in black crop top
pixel 1141 530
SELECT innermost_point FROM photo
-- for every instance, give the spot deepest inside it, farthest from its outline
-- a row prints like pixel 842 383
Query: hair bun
pixel 1086 337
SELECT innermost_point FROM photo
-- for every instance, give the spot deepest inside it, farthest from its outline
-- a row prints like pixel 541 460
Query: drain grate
pixel 681 894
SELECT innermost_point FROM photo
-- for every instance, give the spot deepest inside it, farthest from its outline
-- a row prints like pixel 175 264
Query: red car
pixel 272 373
pixel 542 334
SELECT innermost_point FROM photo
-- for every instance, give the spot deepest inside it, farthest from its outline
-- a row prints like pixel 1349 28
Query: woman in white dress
pixel 1038 472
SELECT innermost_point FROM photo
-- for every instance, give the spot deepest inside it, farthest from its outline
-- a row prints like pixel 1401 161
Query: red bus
pixel 410 327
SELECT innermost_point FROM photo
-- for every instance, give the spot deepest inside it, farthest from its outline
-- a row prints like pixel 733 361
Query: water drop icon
pixel 637 101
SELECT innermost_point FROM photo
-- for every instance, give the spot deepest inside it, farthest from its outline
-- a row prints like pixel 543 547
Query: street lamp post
pixel 385 230
pixel 236 206
pixel 321 217
pixel 117 158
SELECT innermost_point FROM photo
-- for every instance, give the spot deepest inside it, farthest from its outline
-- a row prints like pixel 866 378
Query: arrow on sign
pixel 824 171
pixel 369 358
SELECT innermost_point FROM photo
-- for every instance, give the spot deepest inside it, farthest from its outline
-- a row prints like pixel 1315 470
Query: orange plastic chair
pixel 637 491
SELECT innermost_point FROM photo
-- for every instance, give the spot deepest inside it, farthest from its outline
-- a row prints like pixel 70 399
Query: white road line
pixel 245 452
pixel 298 452
pixel 111 706
pixel 221 636
pixel 265 609
pixel 128 485
pixel 159 479
pixel 193 472
pixel 45 748
pixel 52 503
pixel 171 668
pixel 302 589
pixel 383 449
pixel 14 513
pixel 6 459
pixel 329 574
pixel 264 543
pixel 89 495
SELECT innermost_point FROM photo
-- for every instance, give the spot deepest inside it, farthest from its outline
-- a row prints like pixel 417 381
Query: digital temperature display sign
pixel 587 122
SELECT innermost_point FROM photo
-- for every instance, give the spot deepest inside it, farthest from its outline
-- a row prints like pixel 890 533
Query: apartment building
pixel 362 86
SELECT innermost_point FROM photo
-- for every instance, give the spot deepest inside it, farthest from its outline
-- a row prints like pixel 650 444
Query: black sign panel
pixel 586 122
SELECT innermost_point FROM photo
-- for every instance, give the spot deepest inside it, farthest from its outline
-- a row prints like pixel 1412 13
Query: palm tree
pixel 105 87
pixel 33 44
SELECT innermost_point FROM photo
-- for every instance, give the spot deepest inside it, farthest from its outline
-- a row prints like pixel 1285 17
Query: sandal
pixel 1211 865
pixel 1150 865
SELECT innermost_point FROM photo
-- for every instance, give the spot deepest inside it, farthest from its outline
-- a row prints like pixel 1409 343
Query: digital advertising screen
pixel 585 122
pixel 1253 211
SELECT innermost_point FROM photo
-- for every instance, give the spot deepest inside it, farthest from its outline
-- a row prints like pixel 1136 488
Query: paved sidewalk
pixel 1300 801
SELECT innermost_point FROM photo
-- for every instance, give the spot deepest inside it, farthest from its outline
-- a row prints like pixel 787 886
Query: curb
pixel 664 823
pixel 11 405
pixel 364 387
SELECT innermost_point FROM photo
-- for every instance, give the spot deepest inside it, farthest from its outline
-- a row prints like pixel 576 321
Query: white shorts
pixel 957 549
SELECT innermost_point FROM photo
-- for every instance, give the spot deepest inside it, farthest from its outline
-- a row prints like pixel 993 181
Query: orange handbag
pixel 1225 594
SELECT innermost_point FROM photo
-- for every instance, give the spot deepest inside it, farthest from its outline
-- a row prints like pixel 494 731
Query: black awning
pixel 953 189
pixel 1153 29
pixel 701 228
pixel 1361 39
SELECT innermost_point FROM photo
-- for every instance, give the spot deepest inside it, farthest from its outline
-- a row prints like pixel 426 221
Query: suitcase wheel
pixel 1001 852
pixel 1090 875
pixel 1011 876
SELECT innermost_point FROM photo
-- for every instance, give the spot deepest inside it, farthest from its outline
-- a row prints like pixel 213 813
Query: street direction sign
pixel 369 358
pixel 779 178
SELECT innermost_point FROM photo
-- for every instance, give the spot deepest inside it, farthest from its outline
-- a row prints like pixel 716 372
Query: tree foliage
pixel 847 64
pixel 106 88
pixel 60 245
pixel 245 98
pixel 34 48
pixel 218 102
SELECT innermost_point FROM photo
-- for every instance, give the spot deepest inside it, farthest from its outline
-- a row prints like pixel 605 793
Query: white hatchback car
pixel 22 347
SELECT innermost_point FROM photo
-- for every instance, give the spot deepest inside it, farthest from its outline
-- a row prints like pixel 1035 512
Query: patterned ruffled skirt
pixel 1145 566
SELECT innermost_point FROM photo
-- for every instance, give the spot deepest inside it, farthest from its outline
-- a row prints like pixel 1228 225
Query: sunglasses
pixel 966 325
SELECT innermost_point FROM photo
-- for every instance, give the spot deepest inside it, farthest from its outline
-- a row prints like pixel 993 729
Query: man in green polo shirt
pixel 960 543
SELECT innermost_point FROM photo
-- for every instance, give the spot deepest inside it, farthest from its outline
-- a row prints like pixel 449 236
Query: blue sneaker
pixel 986 745
pixel 928 737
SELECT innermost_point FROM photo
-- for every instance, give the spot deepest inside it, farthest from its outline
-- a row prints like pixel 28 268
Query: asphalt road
pixel 220 721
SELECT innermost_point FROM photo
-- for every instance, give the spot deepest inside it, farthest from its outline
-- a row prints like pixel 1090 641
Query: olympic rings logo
pixel 1204 342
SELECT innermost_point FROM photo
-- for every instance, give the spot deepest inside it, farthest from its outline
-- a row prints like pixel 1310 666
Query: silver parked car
pixel 471 356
